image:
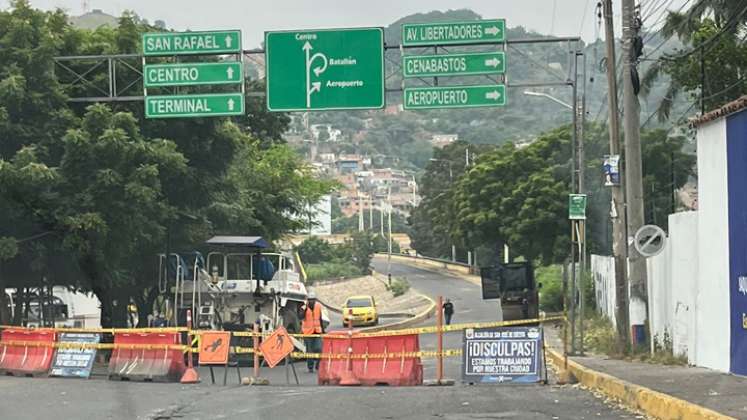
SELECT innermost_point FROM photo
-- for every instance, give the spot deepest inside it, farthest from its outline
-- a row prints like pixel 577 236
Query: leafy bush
pixel 399 286
pixel 600 336
pixel 551 293
pixel 331 270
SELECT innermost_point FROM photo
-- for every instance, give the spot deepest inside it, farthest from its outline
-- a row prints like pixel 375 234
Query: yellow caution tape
pixel 98 330
pixel 97 346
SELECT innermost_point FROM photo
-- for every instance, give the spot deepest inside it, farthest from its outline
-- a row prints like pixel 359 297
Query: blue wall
pixel 736 155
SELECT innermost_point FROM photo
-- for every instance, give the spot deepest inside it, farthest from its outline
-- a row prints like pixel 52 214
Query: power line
pixel 731 21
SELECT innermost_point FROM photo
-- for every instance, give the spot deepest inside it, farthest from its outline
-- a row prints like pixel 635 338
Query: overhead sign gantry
pixel 193 74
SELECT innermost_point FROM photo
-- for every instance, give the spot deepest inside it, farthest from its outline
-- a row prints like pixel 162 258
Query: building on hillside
pixel 348 164
pixel 442 140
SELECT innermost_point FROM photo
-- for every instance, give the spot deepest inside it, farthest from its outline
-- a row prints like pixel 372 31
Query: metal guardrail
pixel 474 270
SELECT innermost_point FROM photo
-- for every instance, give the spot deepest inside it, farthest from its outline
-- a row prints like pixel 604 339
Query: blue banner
pixel 75 363
pixel 502 355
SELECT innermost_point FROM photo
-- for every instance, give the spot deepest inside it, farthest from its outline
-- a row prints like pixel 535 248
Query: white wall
pixel 672 286
pixel 712 325
pixel 603 274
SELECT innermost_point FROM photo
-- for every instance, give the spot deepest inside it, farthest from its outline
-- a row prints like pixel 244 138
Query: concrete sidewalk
pixel 720 392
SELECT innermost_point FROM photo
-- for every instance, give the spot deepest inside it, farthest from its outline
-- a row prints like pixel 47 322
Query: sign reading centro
pixel 181 43
pixel 185 74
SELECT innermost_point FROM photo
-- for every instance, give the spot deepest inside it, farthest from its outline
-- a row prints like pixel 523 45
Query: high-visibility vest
pixel 312 321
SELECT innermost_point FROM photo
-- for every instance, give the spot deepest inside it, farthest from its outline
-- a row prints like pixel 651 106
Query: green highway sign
pixel 454 97
pixel 454 64
pixel 474 32
pixel 207 105
pixel 577 206
pixel 325 69
pixel 184 74
pixel 182 43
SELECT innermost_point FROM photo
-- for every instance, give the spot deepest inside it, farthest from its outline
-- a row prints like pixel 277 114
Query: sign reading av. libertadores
pixel 449 33
pixel 325 69
pixel 502 354
pixel 183 43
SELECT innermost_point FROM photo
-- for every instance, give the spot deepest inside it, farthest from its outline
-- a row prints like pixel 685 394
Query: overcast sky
pixel 253 17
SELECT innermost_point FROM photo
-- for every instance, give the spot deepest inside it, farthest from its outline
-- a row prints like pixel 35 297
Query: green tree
pixel 114 209
pixel 715 54
pixel 666 168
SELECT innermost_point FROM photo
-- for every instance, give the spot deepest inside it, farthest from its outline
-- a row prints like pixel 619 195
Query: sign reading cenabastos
pixel 325 69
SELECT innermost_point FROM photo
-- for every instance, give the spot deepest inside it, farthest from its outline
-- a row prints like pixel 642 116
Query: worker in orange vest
pixel 312 324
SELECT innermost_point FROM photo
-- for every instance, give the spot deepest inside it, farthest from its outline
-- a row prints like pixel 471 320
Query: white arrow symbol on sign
pixel 228 41
pixel 494 95
pixel 230 104
pixel 492 62
pixel 229 72
pixel 493 30
pixel 312 87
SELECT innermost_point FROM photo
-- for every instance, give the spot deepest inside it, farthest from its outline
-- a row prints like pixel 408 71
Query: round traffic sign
pixel 649 240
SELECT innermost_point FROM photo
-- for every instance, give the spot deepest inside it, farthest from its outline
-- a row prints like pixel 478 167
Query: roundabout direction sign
pixel 649 240
pixel 325 69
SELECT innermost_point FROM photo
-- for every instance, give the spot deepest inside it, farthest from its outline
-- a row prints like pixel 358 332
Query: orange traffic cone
pixel 190 376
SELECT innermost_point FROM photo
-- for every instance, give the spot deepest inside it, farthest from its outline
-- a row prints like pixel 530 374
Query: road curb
pixel 422 316
pixel 436 267
pixel 637 397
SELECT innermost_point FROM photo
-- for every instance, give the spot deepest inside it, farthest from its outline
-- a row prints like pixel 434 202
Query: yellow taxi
pixel 361 310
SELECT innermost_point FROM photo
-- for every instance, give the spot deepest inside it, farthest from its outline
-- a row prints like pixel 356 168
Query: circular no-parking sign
pixel 649 240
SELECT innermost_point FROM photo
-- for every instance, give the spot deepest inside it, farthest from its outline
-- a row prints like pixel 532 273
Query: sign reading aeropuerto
pixel 501 355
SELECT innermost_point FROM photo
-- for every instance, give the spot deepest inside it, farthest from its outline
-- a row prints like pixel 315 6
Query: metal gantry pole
pixel 582 190
pixel 574 189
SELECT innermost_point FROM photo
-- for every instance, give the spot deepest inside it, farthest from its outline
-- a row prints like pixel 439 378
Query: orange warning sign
pixel 214 347
pixel 276 347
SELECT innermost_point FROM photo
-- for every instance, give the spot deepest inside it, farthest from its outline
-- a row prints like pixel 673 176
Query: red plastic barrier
pixel 397 370
pixel 158 364
pixel 26 360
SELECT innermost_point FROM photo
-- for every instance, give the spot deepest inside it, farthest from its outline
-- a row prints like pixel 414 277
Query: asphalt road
pixel 98 398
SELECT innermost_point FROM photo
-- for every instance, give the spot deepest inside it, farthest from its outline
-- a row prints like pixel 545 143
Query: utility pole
pixel 361 226
pixel 633 167
pixel 617 210
pixel 389 254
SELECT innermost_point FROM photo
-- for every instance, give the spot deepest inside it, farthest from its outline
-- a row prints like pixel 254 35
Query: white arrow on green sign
pixel 454 64
pixel 454 97
pixel 185 74
pixel 182 43
pixel 207 105
pixel 474 32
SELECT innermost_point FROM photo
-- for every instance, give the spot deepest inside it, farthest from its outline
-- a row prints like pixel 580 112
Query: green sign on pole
pixel 577 206
pixel 454 97
pixel 206 105
pixel 325 69
pixel 182 43
pixel 185 74
pixel 478 31
pixel 454 64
